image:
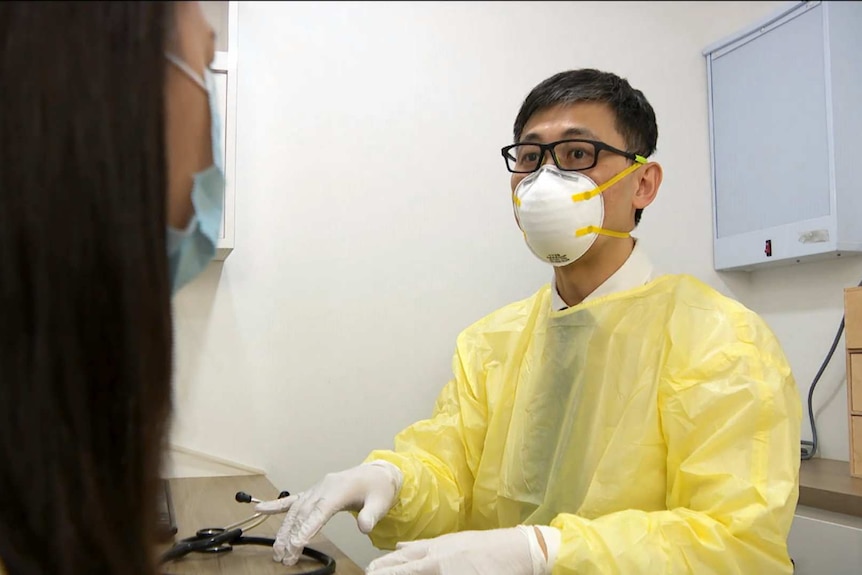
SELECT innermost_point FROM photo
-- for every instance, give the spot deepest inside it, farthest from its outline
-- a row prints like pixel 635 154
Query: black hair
pixel 635 118
pixel 85 345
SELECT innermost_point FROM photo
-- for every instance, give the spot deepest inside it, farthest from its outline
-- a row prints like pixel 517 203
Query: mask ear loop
pixel 602 231
pixel 187 70
pixel 639 161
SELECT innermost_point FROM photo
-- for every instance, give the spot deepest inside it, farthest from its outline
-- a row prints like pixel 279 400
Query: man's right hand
pixel 370 489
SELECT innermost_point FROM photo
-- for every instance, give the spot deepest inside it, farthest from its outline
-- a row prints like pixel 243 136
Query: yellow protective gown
pixel 658 428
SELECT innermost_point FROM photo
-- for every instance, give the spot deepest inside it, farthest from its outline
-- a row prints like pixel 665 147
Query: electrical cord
pixel 809 448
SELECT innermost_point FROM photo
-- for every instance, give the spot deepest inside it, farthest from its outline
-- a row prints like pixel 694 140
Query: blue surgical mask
pixel 190 250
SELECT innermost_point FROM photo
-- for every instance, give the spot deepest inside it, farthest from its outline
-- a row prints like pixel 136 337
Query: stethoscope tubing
pixel 221 539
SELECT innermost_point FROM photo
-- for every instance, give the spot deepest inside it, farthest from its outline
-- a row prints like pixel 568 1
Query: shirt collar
pixel 636 271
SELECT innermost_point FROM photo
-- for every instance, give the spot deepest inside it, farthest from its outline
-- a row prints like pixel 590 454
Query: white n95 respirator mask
pixel 561 213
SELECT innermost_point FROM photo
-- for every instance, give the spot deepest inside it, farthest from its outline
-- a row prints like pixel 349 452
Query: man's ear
pixel 648 185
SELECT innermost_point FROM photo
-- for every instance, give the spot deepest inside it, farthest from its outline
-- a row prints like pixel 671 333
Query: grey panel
pixel 825 543
pixel 769 106
pixel 845 36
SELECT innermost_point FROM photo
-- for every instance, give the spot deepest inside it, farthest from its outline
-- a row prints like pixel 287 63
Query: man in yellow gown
pixel 617 421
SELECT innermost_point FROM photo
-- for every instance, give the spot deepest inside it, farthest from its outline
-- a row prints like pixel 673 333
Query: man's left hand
pixel 512 551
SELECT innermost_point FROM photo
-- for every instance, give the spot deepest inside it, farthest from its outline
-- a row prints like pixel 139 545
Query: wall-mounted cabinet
pixel 784 129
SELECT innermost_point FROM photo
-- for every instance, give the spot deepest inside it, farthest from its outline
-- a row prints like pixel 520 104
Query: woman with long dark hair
pixel 105 159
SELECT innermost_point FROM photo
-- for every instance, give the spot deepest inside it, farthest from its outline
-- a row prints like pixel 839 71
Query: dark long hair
pixel 85 328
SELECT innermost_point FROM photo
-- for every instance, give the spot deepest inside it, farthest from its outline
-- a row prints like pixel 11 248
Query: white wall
pixel 374 222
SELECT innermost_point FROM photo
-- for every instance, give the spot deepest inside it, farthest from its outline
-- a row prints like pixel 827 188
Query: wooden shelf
pixel 827 484
pixel 852 344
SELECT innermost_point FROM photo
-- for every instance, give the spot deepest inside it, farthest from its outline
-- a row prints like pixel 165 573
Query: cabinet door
pixel 854 383
pixel 856 445
pixel 770 128
pixel 853 318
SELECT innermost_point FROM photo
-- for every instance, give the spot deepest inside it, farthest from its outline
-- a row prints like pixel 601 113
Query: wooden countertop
pixel 209 502
pixel 827 484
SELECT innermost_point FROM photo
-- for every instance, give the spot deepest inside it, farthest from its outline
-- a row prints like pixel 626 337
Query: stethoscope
pixel 222 540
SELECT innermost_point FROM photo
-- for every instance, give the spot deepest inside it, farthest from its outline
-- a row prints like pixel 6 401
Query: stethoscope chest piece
pixel 212 532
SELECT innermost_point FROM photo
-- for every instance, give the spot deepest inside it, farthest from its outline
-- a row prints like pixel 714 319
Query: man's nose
pixel 548 157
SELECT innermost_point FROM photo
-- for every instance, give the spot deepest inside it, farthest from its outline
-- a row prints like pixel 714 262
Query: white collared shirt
pixel 636 271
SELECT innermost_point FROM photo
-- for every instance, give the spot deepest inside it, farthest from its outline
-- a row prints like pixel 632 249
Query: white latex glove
pixel 370 488
pixel 512 551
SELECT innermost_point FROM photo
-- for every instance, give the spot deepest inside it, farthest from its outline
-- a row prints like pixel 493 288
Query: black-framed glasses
pixel 568 155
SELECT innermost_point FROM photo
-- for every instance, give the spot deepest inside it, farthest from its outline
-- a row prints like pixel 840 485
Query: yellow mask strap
pixel 639 161
pixel 602 231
